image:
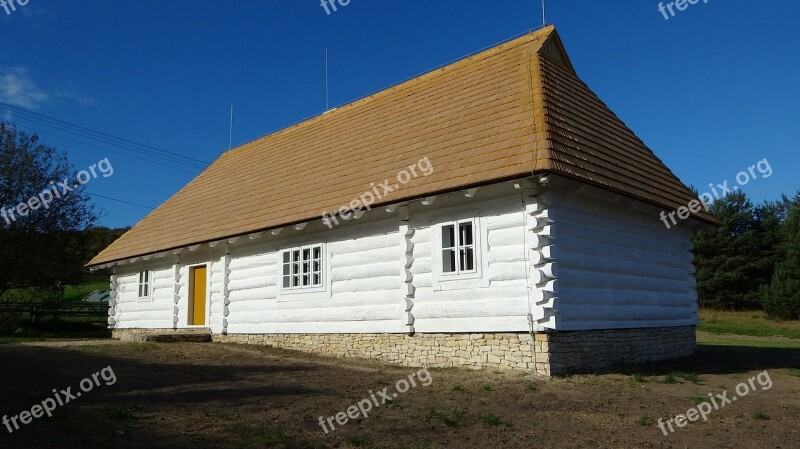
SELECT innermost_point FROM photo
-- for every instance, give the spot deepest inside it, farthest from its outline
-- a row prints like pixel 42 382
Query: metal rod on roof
pixel 230 130
pixel 326 79
pixel 544 21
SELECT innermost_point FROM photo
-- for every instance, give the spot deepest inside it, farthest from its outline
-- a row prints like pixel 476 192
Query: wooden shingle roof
pixel 478 121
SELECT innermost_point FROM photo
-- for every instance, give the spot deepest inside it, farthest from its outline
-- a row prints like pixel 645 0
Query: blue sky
pixel 712 90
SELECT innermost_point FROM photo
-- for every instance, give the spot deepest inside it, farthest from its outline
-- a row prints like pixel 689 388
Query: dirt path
pixel 227 396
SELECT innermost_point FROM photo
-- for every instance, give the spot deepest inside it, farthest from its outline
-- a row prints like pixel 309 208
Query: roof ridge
pixel 497 115
pixel 505 45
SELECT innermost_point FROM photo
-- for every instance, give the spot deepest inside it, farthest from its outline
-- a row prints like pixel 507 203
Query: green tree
pixel 781 296
pixel 734 260
pixel 44 247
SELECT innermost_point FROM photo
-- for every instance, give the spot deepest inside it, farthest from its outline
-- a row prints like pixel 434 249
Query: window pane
pixel 465 233
pixel 467 259
pixel 302 267
pixel 448 236
pixel 448 261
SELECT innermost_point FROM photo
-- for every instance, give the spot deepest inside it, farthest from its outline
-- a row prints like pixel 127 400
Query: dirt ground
pixel 228 396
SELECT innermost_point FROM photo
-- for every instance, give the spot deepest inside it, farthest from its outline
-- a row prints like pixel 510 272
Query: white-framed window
pixel 145 285
pixel 459 249
pixel 302 267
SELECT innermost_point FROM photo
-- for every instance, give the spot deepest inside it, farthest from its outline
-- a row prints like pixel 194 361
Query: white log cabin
pixel 492 213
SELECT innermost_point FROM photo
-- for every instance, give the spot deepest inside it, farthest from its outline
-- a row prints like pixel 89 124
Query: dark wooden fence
pixel 87 312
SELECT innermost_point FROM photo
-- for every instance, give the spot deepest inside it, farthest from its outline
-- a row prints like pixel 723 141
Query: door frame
pixel 190 299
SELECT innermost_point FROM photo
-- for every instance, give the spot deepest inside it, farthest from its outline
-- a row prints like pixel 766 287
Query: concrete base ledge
pixel 162 335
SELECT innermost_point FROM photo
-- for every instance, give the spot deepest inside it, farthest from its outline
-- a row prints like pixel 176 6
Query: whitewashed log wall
pixel 619 267
pixel 129 312
pixel 608 266
pixel 499 302
pixel 363 290
pixel 542 262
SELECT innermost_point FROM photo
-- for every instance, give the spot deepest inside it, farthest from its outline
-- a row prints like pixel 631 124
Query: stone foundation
pixel 162 335
pixel 586 351
pixel 501 351
pixel 554 353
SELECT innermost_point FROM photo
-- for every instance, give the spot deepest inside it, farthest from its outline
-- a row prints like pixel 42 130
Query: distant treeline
pixel 44 240
pixel 752 261
pixel 47 262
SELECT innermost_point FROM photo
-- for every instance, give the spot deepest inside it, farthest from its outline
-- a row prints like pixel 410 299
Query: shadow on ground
pixel 182 396
pixel 717 359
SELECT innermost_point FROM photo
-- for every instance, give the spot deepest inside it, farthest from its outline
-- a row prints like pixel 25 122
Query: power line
pixel 118 200
pixel 105 148
pixel 102 137
pixel 129 148
pixel 99 135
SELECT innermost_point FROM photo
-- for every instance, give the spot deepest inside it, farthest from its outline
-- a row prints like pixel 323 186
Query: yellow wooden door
pixel 198 312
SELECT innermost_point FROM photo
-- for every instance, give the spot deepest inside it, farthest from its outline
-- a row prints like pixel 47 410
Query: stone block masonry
pixel 555 353
pixel 501 351
pixel 586 351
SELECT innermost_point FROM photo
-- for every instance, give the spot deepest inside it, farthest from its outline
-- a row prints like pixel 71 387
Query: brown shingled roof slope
pixel 474 120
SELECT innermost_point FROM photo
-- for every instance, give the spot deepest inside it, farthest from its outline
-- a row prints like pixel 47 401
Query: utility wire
pixel 105 148
pixel 87 133
pixel 130 148
pixel 118 200
pixel 99 134
pixel 102 137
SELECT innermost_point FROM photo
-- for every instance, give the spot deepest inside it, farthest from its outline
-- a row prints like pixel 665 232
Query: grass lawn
pixel 753 324
pixel 54 330
pixel 705 338
pixel 44 335
pixel 72 293
pixel 78 292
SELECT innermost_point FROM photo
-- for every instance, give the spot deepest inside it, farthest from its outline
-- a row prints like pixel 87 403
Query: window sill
pixel 303 295
pixel 461 283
